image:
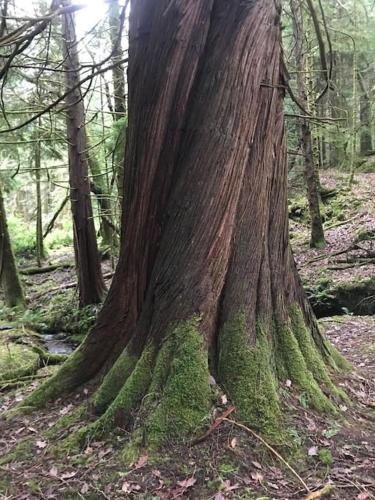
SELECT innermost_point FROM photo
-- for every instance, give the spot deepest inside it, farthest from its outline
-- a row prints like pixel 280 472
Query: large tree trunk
pixel 9 279
pixel 206 281
pixel 317 239
pixel 90 281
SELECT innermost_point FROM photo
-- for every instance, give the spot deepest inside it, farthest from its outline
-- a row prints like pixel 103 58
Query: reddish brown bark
pixel 90 281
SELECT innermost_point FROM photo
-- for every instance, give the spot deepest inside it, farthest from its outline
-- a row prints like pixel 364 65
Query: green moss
pixel 49 358
pixel 246 372
pixel 114 381
pixel 132 449
pixel 339 362
pixel 48 390
pixel 16 361
pixel 298 370
pixel 130 396
pixel 23 451
pixel 325 457
pixel 318 243
pixel 312 357
pixel 182 395
pixel 365 234
pixel 66 421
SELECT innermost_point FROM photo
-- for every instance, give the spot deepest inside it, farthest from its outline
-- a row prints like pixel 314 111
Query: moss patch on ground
pixel 16 361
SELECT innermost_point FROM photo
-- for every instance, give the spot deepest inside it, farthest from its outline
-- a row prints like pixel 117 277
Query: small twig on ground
pixel 215 425
pixel 349 266
pixel 341 223
pixel 329 255
pixel 276 453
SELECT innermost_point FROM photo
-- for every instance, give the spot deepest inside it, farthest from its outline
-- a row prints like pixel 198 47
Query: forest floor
pixel 231 462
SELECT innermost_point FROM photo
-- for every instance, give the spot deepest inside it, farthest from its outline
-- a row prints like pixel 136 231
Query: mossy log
pixel 47 269
pixel 356 297
pixel 18 360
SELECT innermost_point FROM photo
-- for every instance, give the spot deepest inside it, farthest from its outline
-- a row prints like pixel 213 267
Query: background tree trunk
pixel 39 208
pixel 206 280
pixel 90 280
pixel 317 239
pixel 364 118
pixel 116 25
pixel 98 186
pixel 9 279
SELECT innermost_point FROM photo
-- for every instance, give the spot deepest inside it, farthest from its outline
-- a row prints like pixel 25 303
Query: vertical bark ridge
pixel 188 278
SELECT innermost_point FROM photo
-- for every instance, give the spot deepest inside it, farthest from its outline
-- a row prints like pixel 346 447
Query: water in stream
pixel 57 343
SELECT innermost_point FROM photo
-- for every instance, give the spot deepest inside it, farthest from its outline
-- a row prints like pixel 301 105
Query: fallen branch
pixel 49 358
pixel 329 255
pixel 51 223
pixel 47 269
pixel 349 266
pixel 269 447
pixel 11 384
pixel 324 492
pixel 67 286
pixel 341 223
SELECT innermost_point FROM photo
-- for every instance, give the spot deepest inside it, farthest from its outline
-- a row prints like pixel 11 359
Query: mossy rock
pixel 298 209
pixel 366 234
pixel 357 297
pixel 17 360
pixel 368 166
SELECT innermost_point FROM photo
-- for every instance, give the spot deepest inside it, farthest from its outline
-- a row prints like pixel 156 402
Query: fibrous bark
pixel 90 281
pixel 9 279
pixel 206 281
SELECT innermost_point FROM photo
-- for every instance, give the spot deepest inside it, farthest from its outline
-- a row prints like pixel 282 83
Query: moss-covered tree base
pixel 164 395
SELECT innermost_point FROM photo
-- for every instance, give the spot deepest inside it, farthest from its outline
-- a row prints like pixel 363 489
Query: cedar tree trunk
pixel 9 279
pixel 206 281
pixel 90 281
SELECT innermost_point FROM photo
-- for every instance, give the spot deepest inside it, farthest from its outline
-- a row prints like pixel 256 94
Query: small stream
pixel 57 343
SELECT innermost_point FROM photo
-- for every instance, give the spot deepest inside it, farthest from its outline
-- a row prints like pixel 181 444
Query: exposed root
pixel 165 397
pixel 247 374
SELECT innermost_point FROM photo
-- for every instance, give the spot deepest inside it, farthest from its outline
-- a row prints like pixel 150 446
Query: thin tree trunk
pixel 317 239
pixel 39 210
pixel 118 78
pixel 90 280
pixel 365 118
pixel 206 280
pixel 9 279
pixel 107 231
